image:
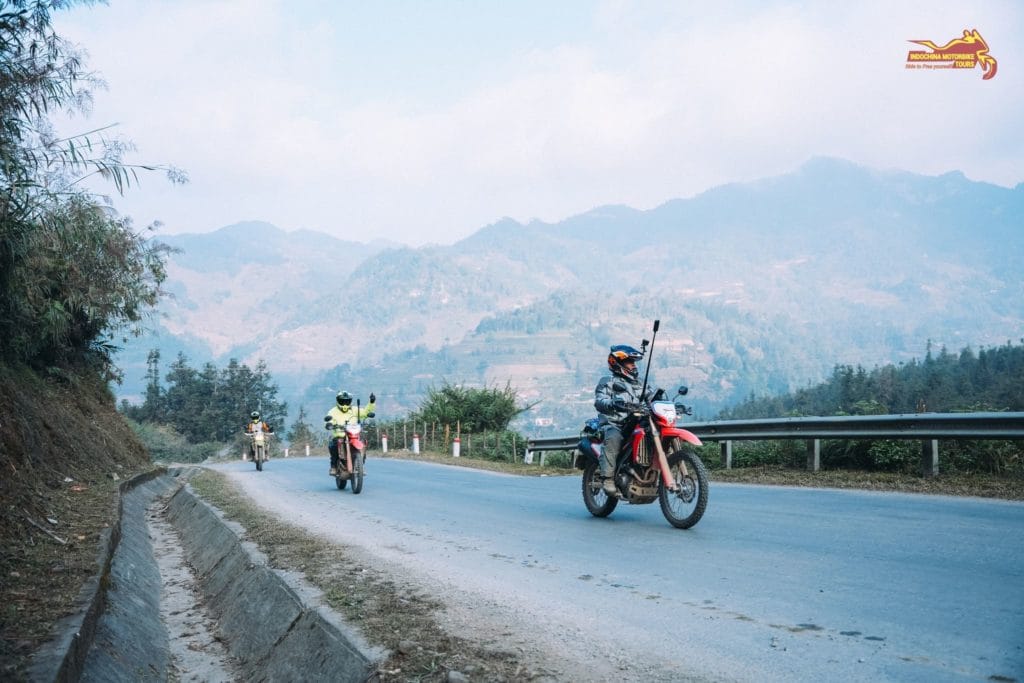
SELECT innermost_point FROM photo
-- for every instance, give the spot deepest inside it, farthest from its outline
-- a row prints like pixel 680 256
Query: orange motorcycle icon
pixel 963 52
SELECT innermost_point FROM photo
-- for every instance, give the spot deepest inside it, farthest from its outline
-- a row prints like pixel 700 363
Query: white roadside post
pixel 456 445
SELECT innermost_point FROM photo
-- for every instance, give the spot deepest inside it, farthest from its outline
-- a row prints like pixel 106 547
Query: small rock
pixel 15 575
pixel 457 677
pixel 114 476
pixel 406 646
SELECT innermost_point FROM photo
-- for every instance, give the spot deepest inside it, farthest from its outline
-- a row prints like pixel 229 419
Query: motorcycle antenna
pixel 359 420
pixel 647 372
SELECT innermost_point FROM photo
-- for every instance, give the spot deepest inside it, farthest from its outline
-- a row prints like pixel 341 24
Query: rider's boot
pixel 608 477
pixel 608 484
pixel 334 467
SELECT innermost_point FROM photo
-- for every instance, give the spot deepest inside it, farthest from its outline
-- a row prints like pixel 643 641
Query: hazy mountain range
pixel 761 287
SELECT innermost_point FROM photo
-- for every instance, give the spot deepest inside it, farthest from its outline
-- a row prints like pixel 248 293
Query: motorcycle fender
pixel 358 444
pixel 673 432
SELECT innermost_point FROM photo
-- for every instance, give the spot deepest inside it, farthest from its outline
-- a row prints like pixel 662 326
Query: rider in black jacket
pixel 614 396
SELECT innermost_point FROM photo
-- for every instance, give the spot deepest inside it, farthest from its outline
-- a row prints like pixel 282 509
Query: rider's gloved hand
pixel 373 399
pixel 620 403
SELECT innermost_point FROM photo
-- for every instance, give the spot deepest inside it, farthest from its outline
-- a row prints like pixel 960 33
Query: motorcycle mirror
pixel 657 324
pixel 684 390
pixel 327 418
pixel 643 346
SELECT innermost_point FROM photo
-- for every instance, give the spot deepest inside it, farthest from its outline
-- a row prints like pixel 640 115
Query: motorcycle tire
pixel 358 462
pixel 340 482
pixel 259 458
pixel 685 507
pixel 599 503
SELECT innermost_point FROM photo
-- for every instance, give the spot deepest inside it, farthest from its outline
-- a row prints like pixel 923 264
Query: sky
pixel 421 122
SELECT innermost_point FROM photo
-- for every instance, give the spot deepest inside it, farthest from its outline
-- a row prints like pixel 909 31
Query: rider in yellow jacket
pixel 342 414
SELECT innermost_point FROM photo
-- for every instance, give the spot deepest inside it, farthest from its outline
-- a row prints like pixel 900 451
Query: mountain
pixel 761 287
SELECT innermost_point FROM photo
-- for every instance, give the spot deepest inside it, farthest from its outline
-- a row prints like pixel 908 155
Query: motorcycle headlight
pixel 666 410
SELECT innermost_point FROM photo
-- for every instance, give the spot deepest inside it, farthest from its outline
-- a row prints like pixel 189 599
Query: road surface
pixel 774 584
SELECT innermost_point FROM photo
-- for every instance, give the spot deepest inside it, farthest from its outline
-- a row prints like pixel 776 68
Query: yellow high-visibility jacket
pixel 343 417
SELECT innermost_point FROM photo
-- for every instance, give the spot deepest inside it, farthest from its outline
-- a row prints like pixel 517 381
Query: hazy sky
pixel 423 121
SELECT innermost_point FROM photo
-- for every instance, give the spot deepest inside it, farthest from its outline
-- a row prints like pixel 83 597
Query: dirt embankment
pixel 63 451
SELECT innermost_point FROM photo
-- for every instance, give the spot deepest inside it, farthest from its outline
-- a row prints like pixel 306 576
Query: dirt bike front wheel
pixel 599 503
pixel 685 506
pixel 259 458
pixel 358 465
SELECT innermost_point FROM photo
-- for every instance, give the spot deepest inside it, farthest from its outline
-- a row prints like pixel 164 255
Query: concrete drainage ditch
pixel 273 625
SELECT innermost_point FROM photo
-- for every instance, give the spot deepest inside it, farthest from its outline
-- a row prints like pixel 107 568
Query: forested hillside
pixel 990 380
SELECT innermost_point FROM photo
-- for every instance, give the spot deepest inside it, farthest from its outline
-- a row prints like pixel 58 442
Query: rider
pixel 613 397
pixel 343 414
pixel 256 426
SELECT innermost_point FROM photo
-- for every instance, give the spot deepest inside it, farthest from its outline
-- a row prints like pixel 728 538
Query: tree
pixel 302 434
pixel 73 274
pixel 475 410
pixel 211 404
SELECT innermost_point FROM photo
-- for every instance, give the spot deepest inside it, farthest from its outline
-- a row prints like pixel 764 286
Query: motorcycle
pixel 351 455
pixel 259 447
pixel 657 461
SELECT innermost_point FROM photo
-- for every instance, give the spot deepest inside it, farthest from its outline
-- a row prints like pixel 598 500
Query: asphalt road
pixel 773 584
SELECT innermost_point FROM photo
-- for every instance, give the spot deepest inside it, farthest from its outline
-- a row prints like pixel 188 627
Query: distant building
pixel 543 422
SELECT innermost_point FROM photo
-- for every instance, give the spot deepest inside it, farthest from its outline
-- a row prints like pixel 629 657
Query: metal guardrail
pixel 926 427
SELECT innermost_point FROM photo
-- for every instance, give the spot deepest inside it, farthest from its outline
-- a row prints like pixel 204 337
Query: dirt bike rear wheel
pixel 358 461
pixel 685 507
pixel 599 503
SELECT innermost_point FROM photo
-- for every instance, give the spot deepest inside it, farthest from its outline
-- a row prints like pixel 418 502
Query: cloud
pixel 277 116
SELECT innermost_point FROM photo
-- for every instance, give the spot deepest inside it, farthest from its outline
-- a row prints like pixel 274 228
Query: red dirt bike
pixel 351 455
pixel 657 461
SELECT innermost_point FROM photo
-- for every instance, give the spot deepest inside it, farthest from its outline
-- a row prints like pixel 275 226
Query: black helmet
pixel 621 353
pixel 254 415
pixel 343 398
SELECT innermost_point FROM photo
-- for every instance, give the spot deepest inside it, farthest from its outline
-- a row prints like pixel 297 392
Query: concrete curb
pixel 271 622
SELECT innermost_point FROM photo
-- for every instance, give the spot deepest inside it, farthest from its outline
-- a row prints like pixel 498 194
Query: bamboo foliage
pixel 73 275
